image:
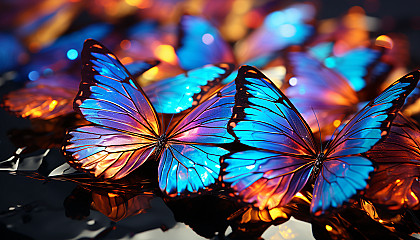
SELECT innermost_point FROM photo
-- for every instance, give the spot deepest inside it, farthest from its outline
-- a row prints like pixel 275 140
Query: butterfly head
pixel 161 142
pixel 318 163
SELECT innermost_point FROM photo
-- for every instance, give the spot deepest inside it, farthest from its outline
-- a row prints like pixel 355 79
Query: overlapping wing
pixel 395 182
pixel 191 160
pixel 201 44
pixel 179 93
pixel 126 127
pixel 264 118
pixel 315 88
pixel 344 171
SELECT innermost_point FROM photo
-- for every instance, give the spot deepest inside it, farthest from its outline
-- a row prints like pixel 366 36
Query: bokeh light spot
pixel 33 75
pixel 293 81
pixel 287 30
pixel 207 39
pixel 72 54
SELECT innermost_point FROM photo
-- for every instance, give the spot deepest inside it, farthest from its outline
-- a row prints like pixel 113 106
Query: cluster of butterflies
pixel 220 130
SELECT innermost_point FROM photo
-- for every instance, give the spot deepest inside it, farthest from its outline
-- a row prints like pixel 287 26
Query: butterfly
pixel 395 182
pixel 52 96
pixel 201 43
pixel 287 156
pixel 126 130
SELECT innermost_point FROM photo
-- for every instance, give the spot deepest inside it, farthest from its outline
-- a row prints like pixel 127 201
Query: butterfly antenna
pixel 319 129
pixel 161 114
pixel 179 102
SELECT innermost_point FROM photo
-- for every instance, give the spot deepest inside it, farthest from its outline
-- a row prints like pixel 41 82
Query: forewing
pixel 126 126
pixel 373 122
pixel 187 90
pixel 207 122
pixel 263 117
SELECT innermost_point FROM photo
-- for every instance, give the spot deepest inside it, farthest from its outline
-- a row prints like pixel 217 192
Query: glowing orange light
pixel 384 41
pixel 336 123
pixel 166 53
pixel 329 228
pixel 277 213
pixel 151 73
pixel 125 44
pixel 126 60
pixel 52 105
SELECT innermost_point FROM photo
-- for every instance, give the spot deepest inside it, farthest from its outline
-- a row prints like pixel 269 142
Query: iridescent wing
pixel 201 44
pixel 179 93
pixel 395 182
pixel 344 171
pixel 44 98
pixel 190 162
pixel 283 28
pixel 125 126
pixel 264 118
pixel 315 88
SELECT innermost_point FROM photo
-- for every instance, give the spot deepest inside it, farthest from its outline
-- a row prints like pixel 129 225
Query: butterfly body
pixel 126 130
pixel 286 156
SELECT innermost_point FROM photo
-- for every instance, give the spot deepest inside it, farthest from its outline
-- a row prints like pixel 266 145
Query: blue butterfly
pixel 201 43
pixel 287 156
pixel 187 90
pixel 126 130
pixel 354 65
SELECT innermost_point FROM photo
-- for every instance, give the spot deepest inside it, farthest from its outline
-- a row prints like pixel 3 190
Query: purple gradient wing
pixel 207 122
pixel 126 126
pixel 395 181
pixel 265 178
pixel 316 88
pixel 264 118
pixel 191 161
pixel 344 171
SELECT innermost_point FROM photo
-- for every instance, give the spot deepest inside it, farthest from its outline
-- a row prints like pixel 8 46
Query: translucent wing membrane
pixel 339 179
pixel 268 179
pixel 174 95
pixel 187 168
pixel 395 181
pixel 201 44
pixel 127 127
pixel 106 152
pixel 207 122
pixel 344 171
pixel 315 88
pixel 372 123
pixel 264 118
pixel 191 161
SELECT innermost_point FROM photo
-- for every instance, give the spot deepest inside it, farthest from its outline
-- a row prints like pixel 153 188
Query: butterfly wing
pixel 344 171
pixel 201 44
pixel 395 182
pixel 176 94
pixel 44 98
pixel 280 29
pixel 355 64
pixel 191 161
pixel 315 88
pixel 126 127
pixel 264 118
